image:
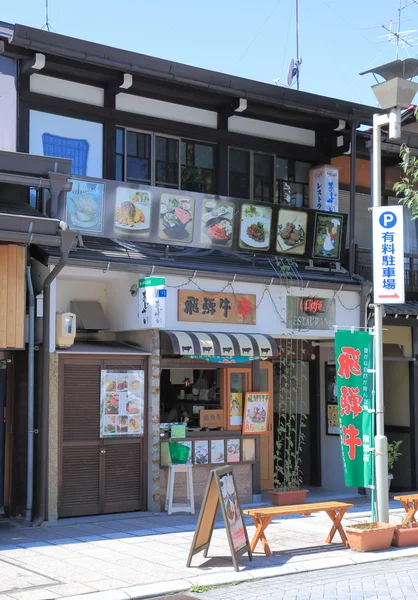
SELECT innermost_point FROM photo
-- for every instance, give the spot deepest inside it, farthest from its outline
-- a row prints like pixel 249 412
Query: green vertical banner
pixel 354 384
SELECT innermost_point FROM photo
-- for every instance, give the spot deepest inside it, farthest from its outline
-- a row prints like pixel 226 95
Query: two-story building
pixel 198 267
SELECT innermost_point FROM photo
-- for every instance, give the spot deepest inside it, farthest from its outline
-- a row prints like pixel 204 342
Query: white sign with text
pixel 388 255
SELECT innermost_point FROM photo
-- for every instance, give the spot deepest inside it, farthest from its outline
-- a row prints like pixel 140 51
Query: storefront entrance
pixel 100 474
pixel 186 391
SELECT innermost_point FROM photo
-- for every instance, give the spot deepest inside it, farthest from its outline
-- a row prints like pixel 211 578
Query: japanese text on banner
pixel 353 362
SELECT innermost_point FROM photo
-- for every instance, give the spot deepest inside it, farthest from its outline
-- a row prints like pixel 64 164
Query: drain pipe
pixel 67 240
pixel 31 382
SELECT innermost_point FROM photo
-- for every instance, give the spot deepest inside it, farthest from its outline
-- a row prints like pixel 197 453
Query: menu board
pixel 121 403
pixel 217 226
pixel 292 230
pixel 232 510
pixel 176 218
pixel 256 411
pixel 132 211
pixel 221 491
pixel 331 400
pixel 233 450
pixel 255 226
pixel 159 215
pixel 201 452
pixel 217 451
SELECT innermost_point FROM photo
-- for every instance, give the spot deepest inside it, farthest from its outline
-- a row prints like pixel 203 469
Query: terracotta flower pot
pixel 286 498
pixel 377 537
pixel 405 536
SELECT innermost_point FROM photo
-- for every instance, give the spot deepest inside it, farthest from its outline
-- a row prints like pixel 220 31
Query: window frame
pixel 154 135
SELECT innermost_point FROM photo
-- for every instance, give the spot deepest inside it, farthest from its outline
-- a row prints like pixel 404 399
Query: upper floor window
pixel 267 178
pixel 165 161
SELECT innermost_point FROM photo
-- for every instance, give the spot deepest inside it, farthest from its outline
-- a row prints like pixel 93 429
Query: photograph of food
pixel 256 414
pixel 85 205
pixel 133 210
pixel 176 218
pixel 134 425
pixel 255 227
pixel 110 425
pixel 122 424
pixel 122 385
pixel 135 385
pixel 132 406
pixel 217 451
pixel 327 236
pixel 232 450
pixel 111 404
pixel 217 223
pixel 201 453
pixel 110 385
pixel 291 231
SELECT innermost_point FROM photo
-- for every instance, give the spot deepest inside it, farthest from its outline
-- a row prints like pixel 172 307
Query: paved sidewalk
pixel 396 580
pixel 144 555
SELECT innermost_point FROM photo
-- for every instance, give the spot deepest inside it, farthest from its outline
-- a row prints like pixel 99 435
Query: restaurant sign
pixel 217 307
pixel 152 295
pixel 305 313
pixel 142 213
pixel 353 364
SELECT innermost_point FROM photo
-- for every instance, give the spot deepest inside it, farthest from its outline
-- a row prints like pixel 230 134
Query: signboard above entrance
pixel 207 307
pixel 303 313
pixel 142 213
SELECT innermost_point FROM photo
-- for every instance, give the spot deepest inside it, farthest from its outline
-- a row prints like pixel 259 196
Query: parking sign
pixel 388 255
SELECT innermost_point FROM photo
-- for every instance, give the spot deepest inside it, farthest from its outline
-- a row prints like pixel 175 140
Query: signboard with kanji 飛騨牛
pixel 213 307
pixel 353 363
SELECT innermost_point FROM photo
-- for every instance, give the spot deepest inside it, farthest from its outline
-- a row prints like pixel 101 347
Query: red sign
pixel 311 305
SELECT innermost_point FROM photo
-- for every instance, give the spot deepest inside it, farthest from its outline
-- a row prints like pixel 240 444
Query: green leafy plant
pixel 407 522
pixel 365 525
pixel 407 188
pixel 393 454
pixel 291 421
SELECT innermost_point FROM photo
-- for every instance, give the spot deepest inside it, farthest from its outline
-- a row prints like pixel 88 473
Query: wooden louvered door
pixel 97 476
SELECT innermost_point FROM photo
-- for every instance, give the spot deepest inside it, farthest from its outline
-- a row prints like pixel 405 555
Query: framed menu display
pixel 256 412
pixel 331 400
pixel 121 403
pixel 221 491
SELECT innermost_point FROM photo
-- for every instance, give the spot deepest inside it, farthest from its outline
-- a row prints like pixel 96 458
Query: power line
pixel 257 34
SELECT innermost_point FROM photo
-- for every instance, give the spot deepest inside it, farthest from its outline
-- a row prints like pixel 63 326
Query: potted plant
pixel 406 534
pixel 393 457
pixel 366 537
pixel 290 436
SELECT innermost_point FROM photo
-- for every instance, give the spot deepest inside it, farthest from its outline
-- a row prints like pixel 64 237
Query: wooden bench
pixel 410 504
pixel 262 518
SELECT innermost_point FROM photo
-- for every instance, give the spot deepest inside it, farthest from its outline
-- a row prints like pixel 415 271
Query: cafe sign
pixel 305 313
pixel 218 307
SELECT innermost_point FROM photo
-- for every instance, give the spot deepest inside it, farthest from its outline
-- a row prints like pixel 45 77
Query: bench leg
pixel 336 517
pixel 410 510
pixel 261 524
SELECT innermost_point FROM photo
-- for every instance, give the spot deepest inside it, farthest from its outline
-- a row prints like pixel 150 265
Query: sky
pixel 254 39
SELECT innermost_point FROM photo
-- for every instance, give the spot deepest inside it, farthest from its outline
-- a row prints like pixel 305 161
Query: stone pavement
pixel 142 555
pixel 393 580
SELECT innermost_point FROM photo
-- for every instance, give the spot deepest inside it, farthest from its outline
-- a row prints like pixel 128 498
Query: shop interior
pixel 185 392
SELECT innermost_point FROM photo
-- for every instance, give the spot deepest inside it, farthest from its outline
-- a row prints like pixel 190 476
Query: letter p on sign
pixel 388 219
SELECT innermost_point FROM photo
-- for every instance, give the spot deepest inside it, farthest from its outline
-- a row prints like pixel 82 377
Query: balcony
pixel 364 267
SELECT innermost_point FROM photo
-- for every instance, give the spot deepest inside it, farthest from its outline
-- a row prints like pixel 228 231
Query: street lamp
pixel 393 94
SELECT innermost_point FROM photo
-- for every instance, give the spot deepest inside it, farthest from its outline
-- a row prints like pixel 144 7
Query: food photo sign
pixel 121 403
pixel 138 212
pixel 221 492
pixel 256 412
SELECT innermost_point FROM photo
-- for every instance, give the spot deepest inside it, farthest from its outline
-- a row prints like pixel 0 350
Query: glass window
pixel 167 162
pixel 263 177
pixel 120 155
pixel 197 167
pixel 282 169
pixel 138 157
pixel 302 171
pixel 239 173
